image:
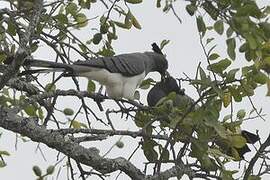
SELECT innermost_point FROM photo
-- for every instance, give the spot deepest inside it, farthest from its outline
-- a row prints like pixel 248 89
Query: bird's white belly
pixel 117 85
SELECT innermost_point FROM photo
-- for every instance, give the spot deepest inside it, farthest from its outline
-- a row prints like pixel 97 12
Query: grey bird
pixel 120 74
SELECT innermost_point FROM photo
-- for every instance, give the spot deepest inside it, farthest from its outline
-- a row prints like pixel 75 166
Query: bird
pixel 163 88
pixel 168 85
pixel 251 138
pixel 120 74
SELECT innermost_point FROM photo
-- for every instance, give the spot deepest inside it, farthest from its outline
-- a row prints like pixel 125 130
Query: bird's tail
pixel 46 67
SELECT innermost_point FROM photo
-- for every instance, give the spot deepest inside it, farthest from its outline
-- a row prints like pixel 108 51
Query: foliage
pixel 207 140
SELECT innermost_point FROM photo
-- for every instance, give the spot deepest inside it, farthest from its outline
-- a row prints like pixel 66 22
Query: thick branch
pixel 28 127
pixel 88 156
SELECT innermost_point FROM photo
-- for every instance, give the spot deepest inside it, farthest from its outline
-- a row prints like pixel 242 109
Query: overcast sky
pixel 183 53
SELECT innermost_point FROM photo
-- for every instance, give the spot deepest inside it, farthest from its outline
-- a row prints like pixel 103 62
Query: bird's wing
pixel 126 64
pixel 155 94
pixel 250 137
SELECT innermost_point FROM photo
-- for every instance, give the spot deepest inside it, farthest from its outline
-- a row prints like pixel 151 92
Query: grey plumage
pixel 129 64
pixel 126 64
pixel 121 74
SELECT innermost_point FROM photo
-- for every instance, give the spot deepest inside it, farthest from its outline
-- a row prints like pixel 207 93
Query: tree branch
pixel 23 49
pixel 256 157
pixel 29 127
pixel 133 134
pixel 87 156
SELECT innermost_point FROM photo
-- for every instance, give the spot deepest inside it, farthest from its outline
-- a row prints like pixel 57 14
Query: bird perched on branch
pixel 120 74
pixel 164 88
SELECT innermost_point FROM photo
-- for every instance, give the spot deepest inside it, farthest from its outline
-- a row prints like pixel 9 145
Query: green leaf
pixel 238 141
pixel 2 164
pixel 97 38
pixel 219 27
pixel 50 170
pixel 229 32
pixel 191 9
pixel 122 25
pixel 220 66
pixel 119 144
pixel 3 57
pixel 217 127
pixel 5 153
pixel 40 113
pixel 34 46
pixel 164 43
pixel 85 4
pixel 251 41
pixel 227 175
pixel 158 4
pixel 208 163
pixel 268 88
pixel 253 177
pixel 198 148
pixel 260 78
pixel 227 99
pixel 146 83
pixel 231 44
pixel 133 1
pixel 142 119
pixel 210 9
pixel 230 77
pixel 11 30
pixel 91 86
pixel 148 149
pixel 265 26
pixel 135 22
pixel 201 25
pixel 241 114
pixel 30 110
pixel 50 87
pixel 71 8
pixel 62 19
pixel 128 20
pixel 75 124
pixel 213 56
pixel 37 171
pixel 104 28
pixel 165 153
pixel 243 48
pixel 68 112
pixel 202 74
pixel 81 19
pixel 235 92
pixel 83 47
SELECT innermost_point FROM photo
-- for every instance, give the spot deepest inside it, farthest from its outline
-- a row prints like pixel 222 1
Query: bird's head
pixel 161 65
pixel 160 60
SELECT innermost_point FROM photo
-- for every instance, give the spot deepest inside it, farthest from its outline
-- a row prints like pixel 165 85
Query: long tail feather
pixel 37 71
pixel 48 64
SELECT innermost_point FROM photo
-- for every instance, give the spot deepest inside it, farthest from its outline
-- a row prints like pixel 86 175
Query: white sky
pixel 183 52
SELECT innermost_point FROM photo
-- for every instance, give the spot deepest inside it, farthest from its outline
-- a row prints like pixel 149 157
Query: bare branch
pixel 256 157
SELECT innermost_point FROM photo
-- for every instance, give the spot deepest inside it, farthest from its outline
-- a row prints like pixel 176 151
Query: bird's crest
pixel 156 48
